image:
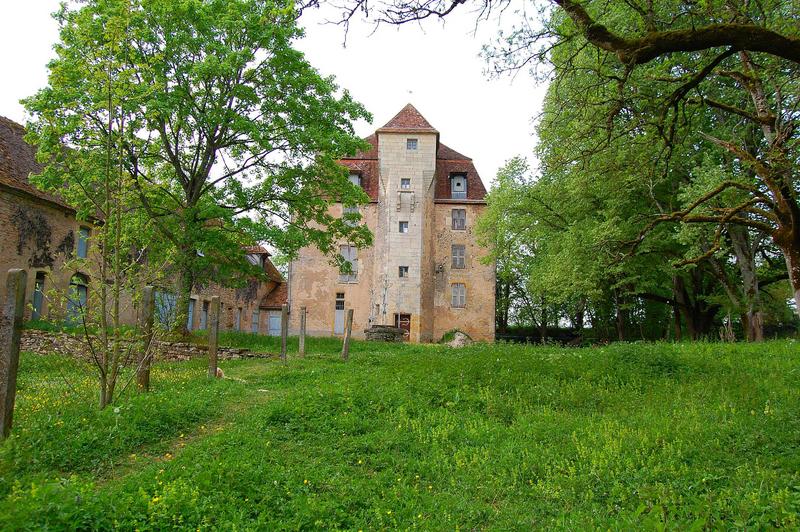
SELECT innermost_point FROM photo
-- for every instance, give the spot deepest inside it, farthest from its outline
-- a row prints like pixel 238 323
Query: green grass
pixel 501 437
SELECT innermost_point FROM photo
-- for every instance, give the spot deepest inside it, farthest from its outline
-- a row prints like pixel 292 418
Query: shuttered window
pixel 459 295
pixel 459 219
pixel 458 252
pixel 349 255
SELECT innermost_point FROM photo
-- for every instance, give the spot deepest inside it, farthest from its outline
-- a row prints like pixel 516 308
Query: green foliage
pixel 227 135
pixel 630 436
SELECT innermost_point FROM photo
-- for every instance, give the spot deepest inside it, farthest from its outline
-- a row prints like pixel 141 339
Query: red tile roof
pixel 276 298
pixel 408 119
pixel 256 250
pixel 272 271
pixel 18 161
pixel 448 161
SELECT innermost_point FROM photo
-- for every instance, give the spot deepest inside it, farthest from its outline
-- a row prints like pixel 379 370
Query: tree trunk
pixel 185 285
pixel 745 259
pixel 543 322
pixel 792 256
pixel 676 318
pixel 621 315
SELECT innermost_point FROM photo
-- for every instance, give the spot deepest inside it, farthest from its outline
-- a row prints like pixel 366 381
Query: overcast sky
pixel 435 67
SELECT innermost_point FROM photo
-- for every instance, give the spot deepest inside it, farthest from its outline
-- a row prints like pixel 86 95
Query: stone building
pixel 424 271
pixel 40 233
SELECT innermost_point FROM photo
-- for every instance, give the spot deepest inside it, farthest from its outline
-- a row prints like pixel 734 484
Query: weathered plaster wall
pixel 477 318
pixel 314 283
pixel 38 237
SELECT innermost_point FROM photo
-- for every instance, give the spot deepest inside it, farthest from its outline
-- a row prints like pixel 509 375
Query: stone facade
pixel 40 233
pixel 407 175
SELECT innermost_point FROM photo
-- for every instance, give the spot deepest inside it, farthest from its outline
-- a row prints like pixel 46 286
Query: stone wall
pixel 48 343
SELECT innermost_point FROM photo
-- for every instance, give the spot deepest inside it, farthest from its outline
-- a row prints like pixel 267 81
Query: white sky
pixel 435 67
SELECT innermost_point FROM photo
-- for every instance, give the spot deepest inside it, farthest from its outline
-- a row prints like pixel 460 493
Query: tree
pixel 683 54
pixel 90 175
pixel 232 137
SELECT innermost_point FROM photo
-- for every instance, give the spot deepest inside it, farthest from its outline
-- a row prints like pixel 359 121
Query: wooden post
pixel 10 331
pixel 213 337
pixel 302 341
pixel 348 328
pixel 284 330
pixel 146 330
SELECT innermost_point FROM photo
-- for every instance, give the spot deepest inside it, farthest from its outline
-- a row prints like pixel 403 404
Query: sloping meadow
pixel 427 437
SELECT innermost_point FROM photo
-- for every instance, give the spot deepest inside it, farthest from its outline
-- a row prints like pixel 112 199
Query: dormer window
pixel 458 186
pixel 355 179
pixel 411 144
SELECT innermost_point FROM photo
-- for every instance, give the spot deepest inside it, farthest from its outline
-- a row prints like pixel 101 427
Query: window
pixel 165 306
pixel 38 296
pixel 459 295
pixel 411 144
pixel 403 271
pixel 254 321
pixel 76 300
pixel 83 242
pixel 355 179
pixel 459 219
pixel 190 317
pixel 348 254
pixel 339 300
pixel 405 183
pixel 238 324
pixel 204 316
pixel 458 252
pixel 458 186
pixel 351 216
pixel 404 227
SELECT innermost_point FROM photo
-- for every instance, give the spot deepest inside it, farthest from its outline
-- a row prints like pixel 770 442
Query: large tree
pixel 661 58
pixel 231 136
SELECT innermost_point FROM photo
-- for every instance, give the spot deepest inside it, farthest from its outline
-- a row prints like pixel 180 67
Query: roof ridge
pixel 409 119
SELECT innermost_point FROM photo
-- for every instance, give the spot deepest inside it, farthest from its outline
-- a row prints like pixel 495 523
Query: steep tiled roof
pixel 448 160
pixel 272 271
pixel 408 119
pixel 18 161
pixel 366 165
pixel 276 298
pixel 256 250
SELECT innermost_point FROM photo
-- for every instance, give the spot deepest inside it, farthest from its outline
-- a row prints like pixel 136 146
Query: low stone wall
pixel 385 333
pixel 47 343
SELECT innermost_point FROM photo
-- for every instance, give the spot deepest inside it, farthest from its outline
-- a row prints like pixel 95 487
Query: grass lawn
pixel 418 437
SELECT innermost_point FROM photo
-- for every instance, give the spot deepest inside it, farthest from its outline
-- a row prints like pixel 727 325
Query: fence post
pixel 284 330
pixel 302 342
pixel 348 328
pixel 10 331
pixel 213 337
pixel 146 329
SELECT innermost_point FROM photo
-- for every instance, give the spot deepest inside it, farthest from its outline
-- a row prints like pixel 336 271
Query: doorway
pixel 274 322
pixel 403 321
pixel 338 318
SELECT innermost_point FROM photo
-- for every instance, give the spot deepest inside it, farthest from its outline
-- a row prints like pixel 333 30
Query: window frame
pixel 351 257
pixel 458 295
pixel 462 219
pixel 405 181
pixel 412 144
pixel 400 227
pixel 403 272
pixel 461 263
pixel 461 194
pixel 358 181
pixel 82 245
